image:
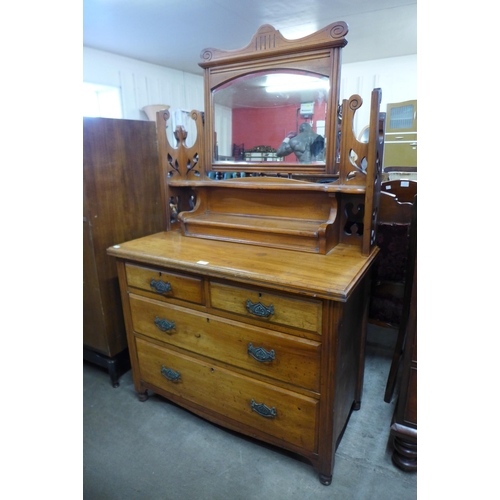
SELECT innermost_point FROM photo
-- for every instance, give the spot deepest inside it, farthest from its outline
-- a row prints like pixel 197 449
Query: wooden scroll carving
pixel 268 40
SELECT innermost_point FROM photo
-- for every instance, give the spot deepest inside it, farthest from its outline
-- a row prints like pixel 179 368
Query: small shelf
pixel 305 221
pixel 271 183
pixel 307 236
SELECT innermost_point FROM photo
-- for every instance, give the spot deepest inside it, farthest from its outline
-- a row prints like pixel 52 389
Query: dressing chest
pixel 249 310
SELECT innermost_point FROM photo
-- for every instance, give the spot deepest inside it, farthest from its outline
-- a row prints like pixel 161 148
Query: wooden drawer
pixel 271 308
pixel 283 357
pixel 401 137
pixel 402 154
pixel 165 283
pixel 292 417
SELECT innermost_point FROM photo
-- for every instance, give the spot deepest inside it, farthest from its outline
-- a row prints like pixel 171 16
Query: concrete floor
pixel 157 451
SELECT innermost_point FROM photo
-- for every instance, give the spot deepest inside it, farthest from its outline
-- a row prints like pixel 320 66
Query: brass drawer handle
pixel 259 309
pixel 164 325
pixel 260 354
pixel 160 286
pixel 170 374
pixel 263 410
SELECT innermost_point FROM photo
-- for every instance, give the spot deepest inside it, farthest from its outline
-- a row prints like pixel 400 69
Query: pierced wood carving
pixel 180 163
pixel 361 163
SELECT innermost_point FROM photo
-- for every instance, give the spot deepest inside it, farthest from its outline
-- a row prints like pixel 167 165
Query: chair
pixel 390 268
pixel 239 152
pixel 404 190
pixel 408 319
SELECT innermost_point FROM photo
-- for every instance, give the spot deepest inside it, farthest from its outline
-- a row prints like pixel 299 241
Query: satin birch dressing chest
pixel 250 309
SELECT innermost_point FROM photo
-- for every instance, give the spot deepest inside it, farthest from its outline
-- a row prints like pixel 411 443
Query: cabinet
pixel 404 425
pixel 121 200
pixel 250 309
pixel 401 135
pixel 259 342
pixel 261 157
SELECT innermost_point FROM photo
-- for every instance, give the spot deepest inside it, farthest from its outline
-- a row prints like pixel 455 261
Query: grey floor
pixel 158 451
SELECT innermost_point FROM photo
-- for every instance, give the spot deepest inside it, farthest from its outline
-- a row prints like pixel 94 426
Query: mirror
pixel 271 116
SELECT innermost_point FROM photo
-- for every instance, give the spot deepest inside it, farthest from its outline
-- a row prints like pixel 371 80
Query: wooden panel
pixel 295 361
pixel 279 204
pixel 181 286
pixel 403 154
pixel 269 41
pixel 300 314
pixel 122 201
pixel 94 330
pixel 230 394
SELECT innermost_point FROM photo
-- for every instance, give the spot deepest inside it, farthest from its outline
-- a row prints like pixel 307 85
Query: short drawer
pixel 274 411
pixel 400 137
pixel 271 308
pixel 290 359
pixel 165 283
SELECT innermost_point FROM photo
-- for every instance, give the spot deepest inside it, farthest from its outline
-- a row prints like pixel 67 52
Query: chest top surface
pixel 331 276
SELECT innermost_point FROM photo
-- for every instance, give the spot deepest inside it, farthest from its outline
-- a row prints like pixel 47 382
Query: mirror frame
pixel 318 53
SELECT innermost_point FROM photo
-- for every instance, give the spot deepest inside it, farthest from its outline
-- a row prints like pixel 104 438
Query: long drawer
pixel 165 283
pixel 272 410
pixel 283 357
pixel 303 314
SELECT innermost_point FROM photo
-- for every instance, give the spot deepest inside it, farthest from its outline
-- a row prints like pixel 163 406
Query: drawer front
pixel 165 283
pixel 282 357
pixel 400 137
pixel 303 314
pixel 280 413
pixel 401 155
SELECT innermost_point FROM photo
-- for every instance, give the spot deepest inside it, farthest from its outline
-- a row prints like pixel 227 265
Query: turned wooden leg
pixel 143 396
pixel 326 480
pixel 404 455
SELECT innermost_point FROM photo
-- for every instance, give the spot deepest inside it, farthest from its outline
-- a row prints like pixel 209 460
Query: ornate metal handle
pixel 160 286
pixel 263 410
pixel 164 325
pixel 170 374
pixel 260 354
pixel 259 309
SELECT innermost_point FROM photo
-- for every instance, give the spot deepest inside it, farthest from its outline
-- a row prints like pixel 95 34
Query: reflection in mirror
pixel 271 116
pixel 364 135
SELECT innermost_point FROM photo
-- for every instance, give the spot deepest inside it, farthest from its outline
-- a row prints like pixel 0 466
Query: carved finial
pixel 206 55
pixel 180 134
pixel 355 102
pixel 339 29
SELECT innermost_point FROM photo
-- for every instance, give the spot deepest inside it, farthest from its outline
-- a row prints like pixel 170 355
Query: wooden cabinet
pixel 241 342
pixel 401 135
pixel 121 200
pixel 404 425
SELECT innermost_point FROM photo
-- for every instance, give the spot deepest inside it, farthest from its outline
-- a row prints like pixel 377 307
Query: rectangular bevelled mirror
pixel 271 116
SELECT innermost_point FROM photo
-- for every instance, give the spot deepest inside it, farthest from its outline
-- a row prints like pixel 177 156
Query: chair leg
pixel 396 361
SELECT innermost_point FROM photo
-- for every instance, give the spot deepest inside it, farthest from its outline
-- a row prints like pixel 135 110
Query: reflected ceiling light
pixel 288 83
